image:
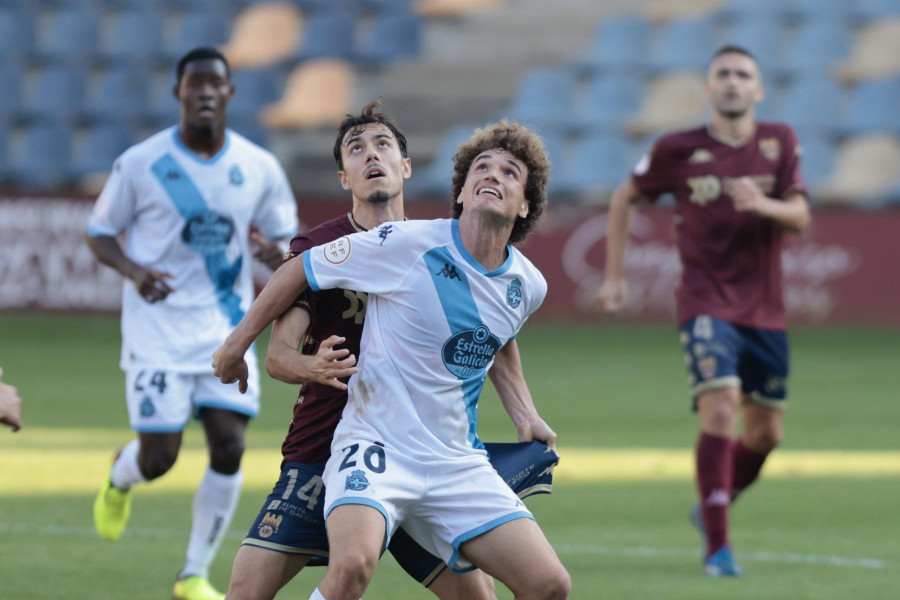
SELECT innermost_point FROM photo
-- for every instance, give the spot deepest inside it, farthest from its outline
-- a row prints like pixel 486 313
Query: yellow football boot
pixel 111 511
pixel 195 588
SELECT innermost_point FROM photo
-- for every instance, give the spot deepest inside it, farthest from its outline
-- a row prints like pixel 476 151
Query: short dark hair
pixel 371 113
pixel 200 53
pixel 522 143
pixel 732 49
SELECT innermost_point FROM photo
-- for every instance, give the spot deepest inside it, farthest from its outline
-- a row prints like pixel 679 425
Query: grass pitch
pixel 821 525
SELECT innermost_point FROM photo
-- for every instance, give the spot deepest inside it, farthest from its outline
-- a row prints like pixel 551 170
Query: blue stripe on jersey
pixel 462 314
pixel 310 276
pixel 190 203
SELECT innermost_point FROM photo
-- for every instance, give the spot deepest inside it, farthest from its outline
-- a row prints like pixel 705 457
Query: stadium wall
pixel 844 270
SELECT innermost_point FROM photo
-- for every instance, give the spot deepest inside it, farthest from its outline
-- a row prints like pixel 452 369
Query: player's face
pixel 496 184
pixel 204 92
pixel 374 169
pixel 733 85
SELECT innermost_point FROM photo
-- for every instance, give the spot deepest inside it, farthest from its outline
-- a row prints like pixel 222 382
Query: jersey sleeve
pixel 276 214
pixel 115 207
pixel 652 176
pixel 790 178
pixel 374 261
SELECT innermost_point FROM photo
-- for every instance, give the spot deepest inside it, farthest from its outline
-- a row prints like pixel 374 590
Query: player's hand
pixel 267 252
pixel 746 196
pixel 10 406
pixel 329 364
pixel 150 284
pixel 230 368
pixel 537 429
pixel 612 294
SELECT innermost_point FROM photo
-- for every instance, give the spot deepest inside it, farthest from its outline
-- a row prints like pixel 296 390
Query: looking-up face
pixel 204 92
pixel 374 168
pixel 495 184
pixel 733 85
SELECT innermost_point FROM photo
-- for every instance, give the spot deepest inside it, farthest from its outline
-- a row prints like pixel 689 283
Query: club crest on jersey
pixel 700 156
pixel 356 481
pixel 337 251
pixel 208 232
pixel 383 232
pixel 467 353
pixel 770 148
pixel 147 408
pixel 514 293
pixel 269 525
pixel 235 177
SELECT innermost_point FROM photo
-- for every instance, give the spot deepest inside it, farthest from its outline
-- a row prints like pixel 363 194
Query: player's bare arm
pixel 269 253
pixel 286 363
pixel 509 381
pixel 792 213
pixel 613 291
pixel 10 405
pixel 288 282
pixel 150 283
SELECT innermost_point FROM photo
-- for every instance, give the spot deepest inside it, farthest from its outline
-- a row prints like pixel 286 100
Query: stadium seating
pixel 394 36
pixel 71 37
pixel 736 11
pixel 327 35
pixel 875 52
pixel 317 93
pixel 96 155
pixel 619 44
pixel 762 37
pixel 598 164
pixel 817 160
pixel 59 95
pixel 815 47
pixel 873 107
pixel 865 170
pixel 665 10
pixel 264 34
pixel 11 98
pixel 871 10
pixel 671 102
pixel 682 44
pixel 434 179
pixel 606 101
pixel 197 28
pixel 453 9
pixel 545 98
pixel 16 35
pixel 44 157
pixel 120 96
pixel 814 12
pixel 134 37
pixel 811 103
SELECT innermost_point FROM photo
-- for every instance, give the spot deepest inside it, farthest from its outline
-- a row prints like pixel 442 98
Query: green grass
pixel 602 386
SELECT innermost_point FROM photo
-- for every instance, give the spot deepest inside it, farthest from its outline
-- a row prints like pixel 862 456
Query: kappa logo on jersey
pixel 208 233
pixel 173 174
pixel 356 481
pixel 449 271
pixel 235 177
pixel 383 232
pixel 269 525
pixel 469 352
pixel 514 293
pixel 147 407
pixel 337 251
pixel 700 156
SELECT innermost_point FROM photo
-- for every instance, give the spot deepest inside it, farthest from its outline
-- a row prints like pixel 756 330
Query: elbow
pixel 273 367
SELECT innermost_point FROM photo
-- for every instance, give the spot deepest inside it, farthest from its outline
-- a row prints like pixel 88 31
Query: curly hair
pixel 371 113
pixel 526 146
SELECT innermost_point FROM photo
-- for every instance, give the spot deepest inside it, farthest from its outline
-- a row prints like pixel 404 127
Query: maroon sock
pixel 714 484
pixel 746 467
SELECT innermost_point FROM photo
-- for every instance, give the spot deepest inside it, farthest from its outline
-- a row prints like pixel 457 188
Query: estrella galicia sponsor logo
pixel 208 233
pixel 514 293
pixel 356 481
pixel 147 408
pixel 449 271
pixel 383 232
pixel 235 177
pixel 468 352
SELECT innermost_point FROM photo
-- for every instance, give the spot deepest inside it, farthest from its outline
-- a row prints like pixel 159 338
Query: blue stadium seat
pixel 163 110
pixel 197 28
pixel 134 37
pixel 870 10
pixel 393 36
pixel 810 11
pixel 598 164
pixel 4 155
pixel 873 107
pixel 253 89
pixel 762 37
pixel 434 180
pixel 545 98
pixel 44 158
pixel 70 37
pixel 817 45
pixel 385 6
pixel 619 44
pixel 11 99
pixel 739 10
pixel 16 35
pixel 607 101
pixel 327 35
pixel 811 103
pixel 58 96
pixel 683 44
pixel 120 96
pixel 103 145
pixel 817 158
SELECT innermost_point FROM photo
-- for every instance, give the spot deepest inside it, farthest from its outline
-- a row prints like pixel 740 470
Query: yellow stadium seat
pixel 317 93
pixel 264 34
pixel 865 169
pixel 452 9
pixel 671 102
pixel 664 10
pixel 875 52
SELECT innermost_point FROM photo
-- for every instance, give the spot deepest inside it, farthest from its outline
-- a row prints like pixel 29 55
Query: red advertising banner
pixel 845 269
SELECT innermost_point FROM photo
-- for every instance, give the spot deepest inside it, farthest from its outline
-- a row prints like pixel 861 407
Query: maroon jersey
pixel 731 261
pixel 331 312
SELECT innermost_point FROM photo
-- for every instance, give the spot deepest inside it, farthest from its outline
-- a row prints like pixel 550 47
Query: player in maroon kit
pixel 738 187
pixel 289 532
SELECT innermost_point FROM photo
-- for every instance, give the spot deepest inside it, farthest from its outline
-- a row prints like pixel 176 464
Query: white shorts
pixel 441 503
pixel 161 401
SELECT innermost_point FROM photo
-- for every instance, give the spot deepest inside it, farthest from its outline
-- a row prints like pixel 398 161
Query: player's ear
pixel 406 168
pixel 523 212
pixel 342 177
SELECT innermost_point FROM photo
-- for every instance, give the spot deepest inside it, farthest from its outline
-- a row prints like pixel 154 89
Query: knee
pixel 225 455
pixel 354 570
pixel 765 440
pixel 156 461
pixel 557 586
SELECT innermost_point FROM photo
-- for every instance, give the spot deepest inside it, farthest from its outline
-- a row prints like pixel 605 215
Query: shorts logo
pixel 337 251
pixel 147 408
pixel 468 352
pixel 269 525
pixel 356 481
pixel 514 293
pixel 775 385
pixel 707 367
pixel 208 233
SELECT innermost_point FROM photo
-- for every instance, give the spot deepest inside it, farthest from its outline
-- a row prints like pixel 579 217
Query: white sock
pixel 125 471
pixel 214 505
pixel 317 595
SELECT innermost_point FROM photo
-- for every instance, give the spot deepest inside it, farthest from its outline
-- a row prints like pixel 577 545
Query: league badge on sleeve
pixel 337 251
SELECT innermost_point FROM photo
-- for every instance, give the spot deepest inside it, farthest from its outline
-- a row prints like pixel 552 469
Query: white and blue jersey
pixel 190 217
pixel 434 321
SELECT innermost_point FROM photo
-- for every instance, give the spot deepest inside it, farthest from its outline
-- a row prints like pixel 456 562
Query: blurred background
pixel 82 80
